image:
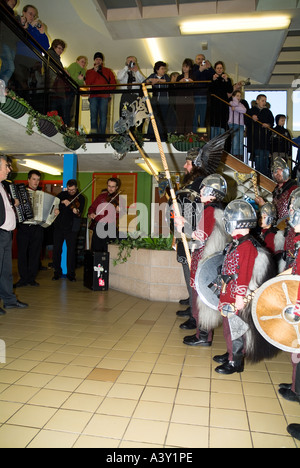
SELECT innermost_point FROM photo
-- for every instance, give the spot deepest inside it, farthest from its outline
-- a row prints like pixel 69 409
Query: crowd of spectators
pixel 179 100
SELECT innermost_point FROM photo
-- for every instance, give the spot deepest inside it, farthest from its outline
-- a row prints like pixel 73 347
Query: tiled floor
pixel 91 369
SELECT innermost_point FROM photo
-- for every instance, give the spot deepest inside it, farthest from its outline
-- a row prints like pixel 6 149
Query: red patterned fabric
pixel 238 261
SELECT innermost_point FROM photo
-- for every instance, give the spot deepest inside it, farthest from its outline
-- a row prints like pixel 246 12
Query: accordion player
pixel 44 206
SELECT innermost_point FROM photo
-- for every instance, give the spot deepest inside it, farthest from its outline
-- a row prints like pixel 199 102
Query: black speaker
pixel 96 270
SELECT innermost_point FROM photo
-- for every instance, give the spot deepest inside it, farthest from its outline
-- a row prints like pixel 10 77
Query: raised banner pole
pixel 166 169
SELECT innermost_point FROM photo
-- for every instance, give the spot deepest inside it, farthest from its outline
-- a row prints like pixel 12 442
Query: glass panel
pixel 29 71
pixel 296 111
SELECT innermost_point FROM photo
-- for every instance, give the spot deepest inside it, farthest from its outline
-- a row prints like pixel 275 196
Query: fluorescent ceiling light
pixel 38 166
pixel 235 24
pixel 153 50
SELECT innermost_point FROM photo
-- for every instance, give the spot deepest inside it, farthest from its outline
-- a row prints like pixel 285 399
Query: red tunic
pixel 239 263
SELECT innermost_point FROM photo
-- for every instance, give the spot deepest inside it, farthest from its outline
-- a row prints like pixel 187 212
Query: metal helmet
pixel 214 185
pixel 280 163
pixel 239 214
pixel 294 208
pixel 269 210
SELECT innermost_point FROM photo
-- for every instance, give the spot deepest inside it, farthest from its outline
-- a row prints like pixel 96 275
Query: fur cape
pixel 256 347
pixel 208 317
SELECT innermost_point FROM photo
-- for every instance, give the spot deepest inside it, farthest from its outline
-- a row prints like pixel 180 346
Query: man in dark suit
pixel 66 228
pixel 30 242
pixel 7 226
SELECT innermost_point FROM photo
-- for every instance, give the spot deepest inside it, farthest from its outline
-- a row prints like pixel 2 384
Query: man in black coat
pixel 258 134
pixel 30 242
pixel 66 228
pixel 7 226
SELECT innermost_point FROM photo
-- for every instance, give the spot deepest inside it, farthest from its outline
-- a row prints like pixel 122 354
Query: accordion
pixel 24 211
pixel 44 206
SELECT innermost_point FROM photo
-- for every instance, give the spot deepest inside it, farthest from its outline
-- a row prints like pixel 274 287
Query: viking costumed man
pixel 291 392
pixel 270 236
pixel 188 199
pixel 281 195
pixel 246 266
pixel 210 238
pixel 199 164
pixel 104 213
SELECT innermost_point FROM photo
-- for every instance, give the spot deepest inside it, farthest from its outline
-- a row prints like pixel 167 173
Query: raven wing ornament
pixel 210 155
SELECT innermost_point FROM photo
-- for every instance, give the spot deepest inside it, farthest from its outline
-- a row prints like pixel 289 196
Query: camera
pixel 39 25
pixel 203 63
pixel 131 64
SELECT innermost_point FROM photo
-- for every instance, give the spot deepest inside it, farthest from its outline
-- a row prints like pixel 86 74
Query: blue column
pixel 70 172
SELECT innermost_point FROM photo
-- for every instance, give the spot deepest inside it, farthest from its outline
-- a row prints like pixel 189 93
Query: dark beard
pixel 195 173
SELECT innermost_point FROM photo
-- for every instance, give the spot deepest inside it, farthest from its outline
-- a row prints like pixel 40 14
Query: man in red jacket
pixel 104 78
pixel 104 213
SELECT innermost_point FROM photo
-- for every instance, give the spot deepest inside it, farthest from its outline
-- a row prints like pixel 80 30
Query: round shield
pixel 207 280
pixel 273 312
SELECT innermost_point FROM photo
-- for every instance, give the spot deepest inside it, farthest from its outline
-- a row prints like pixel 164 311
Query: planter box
pixel 13 108
pixel 149 274
pixel 47 128
pixel 184 146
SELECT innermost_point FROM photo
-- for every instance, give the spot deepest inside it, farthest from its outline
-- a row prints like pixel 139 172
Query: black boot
pixel 221 359
pixel 184 313
pixel 194 340
pixel 289 395
pixel 294 430
pixel 230 367
pixel 190 324
pixel 237 363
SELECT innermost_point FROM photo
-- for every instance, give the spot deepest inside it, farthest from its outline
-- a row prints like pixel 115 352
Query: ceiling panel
pixel 112 4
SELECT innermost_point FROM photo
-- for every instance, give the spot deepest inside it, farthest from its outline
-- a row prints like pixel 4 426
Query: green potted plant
pixel 50 124
pixel 135 241
pixel 74 139
pixel 14 106
pixel 186 142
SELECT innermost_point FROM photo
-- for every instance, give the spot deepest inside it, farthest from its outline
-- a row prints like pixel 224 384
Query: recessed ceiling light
pixel 38 166
pixel 235 24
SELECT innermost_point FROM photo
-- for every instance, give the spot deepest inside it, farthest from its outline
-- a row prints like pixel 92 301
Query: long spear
pixel 166 169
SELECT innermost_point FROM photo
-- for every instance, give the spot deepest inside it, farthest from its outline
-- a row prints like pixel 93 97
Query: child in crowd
pixel 236 122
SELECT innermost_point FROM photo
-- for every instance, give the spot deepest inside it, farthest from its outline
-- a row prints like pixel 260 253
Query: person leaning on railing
pixel 8 45
pixel 280 146
pixel 99 78
pixel 221 86
pixel 258 134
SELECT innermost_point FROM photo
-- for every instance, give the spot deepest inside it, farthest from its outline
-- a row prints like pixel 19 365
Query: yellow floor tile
pixel 16 436
pixel 187 436
pixel 152 432
pixel 269 423
pixel 229 419
pixel 153 411
pixel 229 438
pixel 32 416
pixel 53 439
pixel 117 407
pixel 68 421
pixel 106 426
